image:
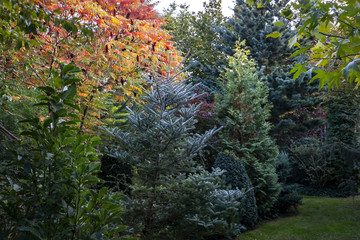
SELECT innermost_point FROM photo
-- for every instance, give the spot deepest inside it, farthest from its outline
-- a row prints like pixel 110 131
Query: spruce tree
pixel 253 24
pixel 297 110
pixel 243 109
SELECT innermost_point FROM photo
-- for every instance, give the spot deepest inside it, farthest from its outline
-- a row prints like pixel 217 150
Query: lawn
pixel 319 218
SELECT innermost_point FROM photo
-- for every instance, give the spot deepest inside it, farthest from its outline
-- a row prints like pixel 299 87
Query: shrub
pixel 289 197
pixel 308 157
pixel 48 182
pixel 328 168
pixel 200 206
pixel 237 178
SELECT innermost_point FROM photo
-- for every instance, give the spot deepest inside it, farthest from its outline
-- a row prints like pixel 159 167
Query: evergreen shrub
pixel 237 178
pixel 307 157
pixel 289 197
pixel 325 169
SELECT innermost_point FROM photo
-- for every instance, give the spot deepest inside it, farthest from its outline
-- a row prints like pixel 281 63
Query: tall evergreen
pixel 253 24
pixel 243 109
pixel 296 108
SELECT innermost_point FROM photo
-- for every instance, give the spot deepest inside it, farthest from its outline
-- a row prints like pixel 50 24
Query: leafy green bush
pixel 328 169
pixel 237 178
pixel 308 158
pixel 48 182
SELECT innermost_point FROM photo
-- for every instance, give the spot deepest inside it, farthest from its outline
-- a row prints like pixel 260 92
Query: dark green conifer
pixel 237 177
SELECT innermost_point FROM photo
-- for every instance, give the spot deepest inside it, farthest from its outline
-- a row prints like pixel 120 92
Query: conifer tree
pixel 254 24
pixel 243 109
pixel 297 110
pixel 161 147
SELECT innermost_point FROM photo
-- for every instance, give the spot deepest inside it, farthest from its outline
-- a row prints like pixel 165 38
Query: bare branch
pixel 8 134
pixel 331 35
pixel 346 23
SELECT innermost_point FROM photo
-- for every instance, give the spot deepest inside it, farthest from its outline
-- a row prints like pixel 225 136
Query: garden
pixel 120 122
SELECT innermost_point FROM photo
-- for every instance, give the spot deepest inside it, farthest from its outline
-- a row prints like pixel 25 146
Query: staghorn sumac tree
pixel 112 41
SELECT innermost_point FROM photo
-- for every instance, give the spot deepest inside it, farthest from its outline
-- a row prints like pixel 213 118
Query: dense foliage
pixel 112 42
pixel 103 135
pixel 195 33
pixel 255 25
pixel 243 109
pixel 236 177
pixel 48 182
pixel 334 51
pixel 170 194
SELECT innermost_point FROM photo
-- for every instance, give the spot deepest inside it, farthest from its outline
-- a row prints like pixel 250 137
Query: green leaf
pixel 298 70
pixel 279 24
pixel 275 34
pixel 286 13
pixel 71 104
pixel 33 42
pixel 67 26
pixel 58 11
pixel 31 230
pixel 7 4
pixel 300 51
pixel 322 76
pixel 67 68
pixel 47 89
pixel 71 80
pixel 19 44
pixel 58 82
pixel 259 5
pixel 95 139
pixel 70 92
pixel 250 2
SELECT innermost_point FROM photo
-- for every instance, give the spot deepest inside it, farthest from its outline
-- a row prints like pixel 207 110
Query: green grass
pixel 319 218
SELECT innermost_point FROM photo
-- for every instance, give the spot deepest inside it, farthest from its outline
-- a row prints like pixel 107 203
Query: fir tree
pixel 243 109
pixel 161 147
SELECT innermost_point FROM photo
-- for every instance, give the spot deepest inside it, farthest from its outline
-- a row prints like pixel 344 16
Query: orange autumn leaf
pixel 126 34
